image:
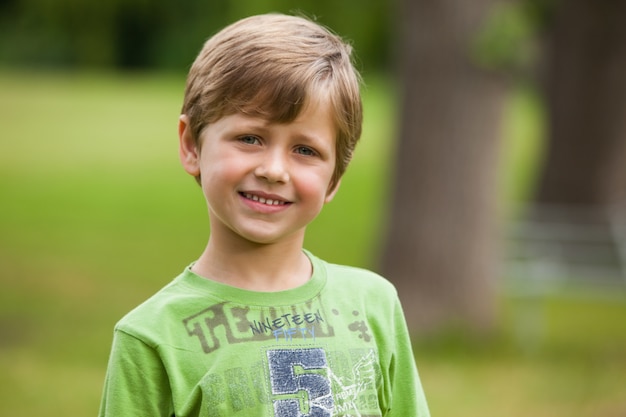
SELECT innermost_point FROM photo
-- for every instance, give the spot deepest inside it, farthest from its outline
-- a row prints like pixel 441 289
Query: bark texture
pixel 441 246
pixel 585 89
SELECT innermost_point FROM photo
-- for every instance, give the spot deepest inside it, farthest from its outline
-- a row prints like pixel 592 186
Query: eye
pixel 306 151
pixel 249 139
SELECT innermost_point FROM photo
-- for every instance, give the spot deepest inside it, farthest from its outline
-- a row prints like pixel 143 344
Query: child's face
pixel 263 182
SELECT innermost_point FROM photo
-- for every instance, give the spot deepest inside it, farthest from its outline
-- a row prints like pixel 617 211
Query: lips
pixel 269 201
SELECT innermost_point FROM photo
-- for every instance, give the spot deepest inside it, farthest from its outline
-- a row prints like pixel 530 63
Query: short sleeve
pixel 406 393
pixel 136 382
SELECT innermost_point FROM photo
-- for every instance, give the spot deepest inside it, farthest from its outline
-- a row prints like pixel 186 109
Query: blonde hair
pixel 271 66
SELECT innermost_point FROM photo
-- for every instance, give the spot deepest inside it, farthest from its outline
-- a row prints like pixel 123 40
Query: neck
pixel 253 266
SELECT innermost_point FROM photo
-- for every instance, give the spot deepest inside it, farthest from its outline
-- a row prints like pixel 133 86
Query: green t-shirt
pixel 335 346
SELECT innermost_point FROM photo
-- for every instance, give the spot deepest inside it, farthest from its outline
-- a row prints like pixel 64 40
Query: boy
pixel 258 326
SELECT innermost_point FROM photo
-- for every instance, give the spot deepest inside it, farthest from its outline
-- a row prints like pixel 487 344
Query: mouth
pixel 264 200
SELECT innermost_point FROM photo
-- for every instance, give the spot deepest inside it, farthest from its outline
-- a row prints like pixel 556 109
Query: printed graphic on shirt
pixel 223 323
pixel 357 326
pixel 297 376
pixel 299 383
pixel 303 384
pixel 356 390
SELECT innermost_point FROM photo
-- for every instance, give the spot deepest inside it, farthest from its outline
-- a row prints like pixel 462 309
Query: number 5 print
pixel 300 386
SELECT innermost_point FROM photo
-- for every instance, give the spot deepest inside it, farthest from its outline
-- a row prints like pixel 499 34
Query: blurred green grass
pixel 96 215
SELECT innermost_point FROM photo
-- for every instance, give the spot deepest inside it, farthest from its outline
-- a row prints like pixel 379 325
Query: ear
pixel 188 148
pixel 330 194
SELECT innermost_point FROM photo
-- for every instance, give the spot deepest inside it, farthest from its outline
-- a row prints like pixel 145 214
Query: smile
pixel 266 201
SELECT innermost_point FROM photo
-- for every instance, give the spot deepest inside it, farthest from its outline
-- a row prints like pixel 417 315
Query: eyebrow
pixel 264 126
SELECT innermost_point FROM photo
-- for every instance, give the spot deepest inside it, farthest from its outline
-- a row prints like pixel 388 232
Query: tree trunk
pixel 441 247
pixel 575 228
pixel 586 94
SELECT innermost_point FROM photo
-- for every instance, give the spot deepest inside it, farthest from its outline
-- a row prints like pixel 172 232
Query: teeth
pixel 262 200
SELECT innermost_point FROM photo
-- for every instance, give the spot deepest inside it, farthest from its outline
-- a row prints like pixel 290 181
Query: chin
pixel 269 238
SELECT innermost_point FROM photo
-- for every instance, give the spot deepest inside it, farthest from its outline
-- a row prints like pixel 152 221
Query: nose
pixel 273 167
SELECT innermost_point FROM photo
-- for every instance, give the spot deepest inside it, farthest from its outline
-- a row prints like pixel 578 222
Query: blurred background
pixel 489 186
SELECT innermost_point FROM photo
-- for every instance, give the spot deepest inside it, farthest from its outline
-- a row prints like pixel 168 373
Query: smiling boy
pixel 263 183
pixel 257 326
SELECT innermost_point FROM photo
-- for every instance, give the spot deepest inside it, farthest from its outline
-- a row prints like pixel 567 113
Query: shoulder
pixel 358 280
pixel 365 292
pixel 361 275
pixel 163 307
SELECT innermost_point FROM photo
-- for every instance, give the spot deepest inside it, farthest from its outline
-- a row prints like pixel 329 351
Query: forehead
pixel 316 121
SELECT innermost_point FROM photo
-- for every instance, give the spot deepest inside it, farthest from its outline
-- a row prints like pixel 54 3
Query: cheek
pixel 221 168
pixel 218 178
pixel 315 186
